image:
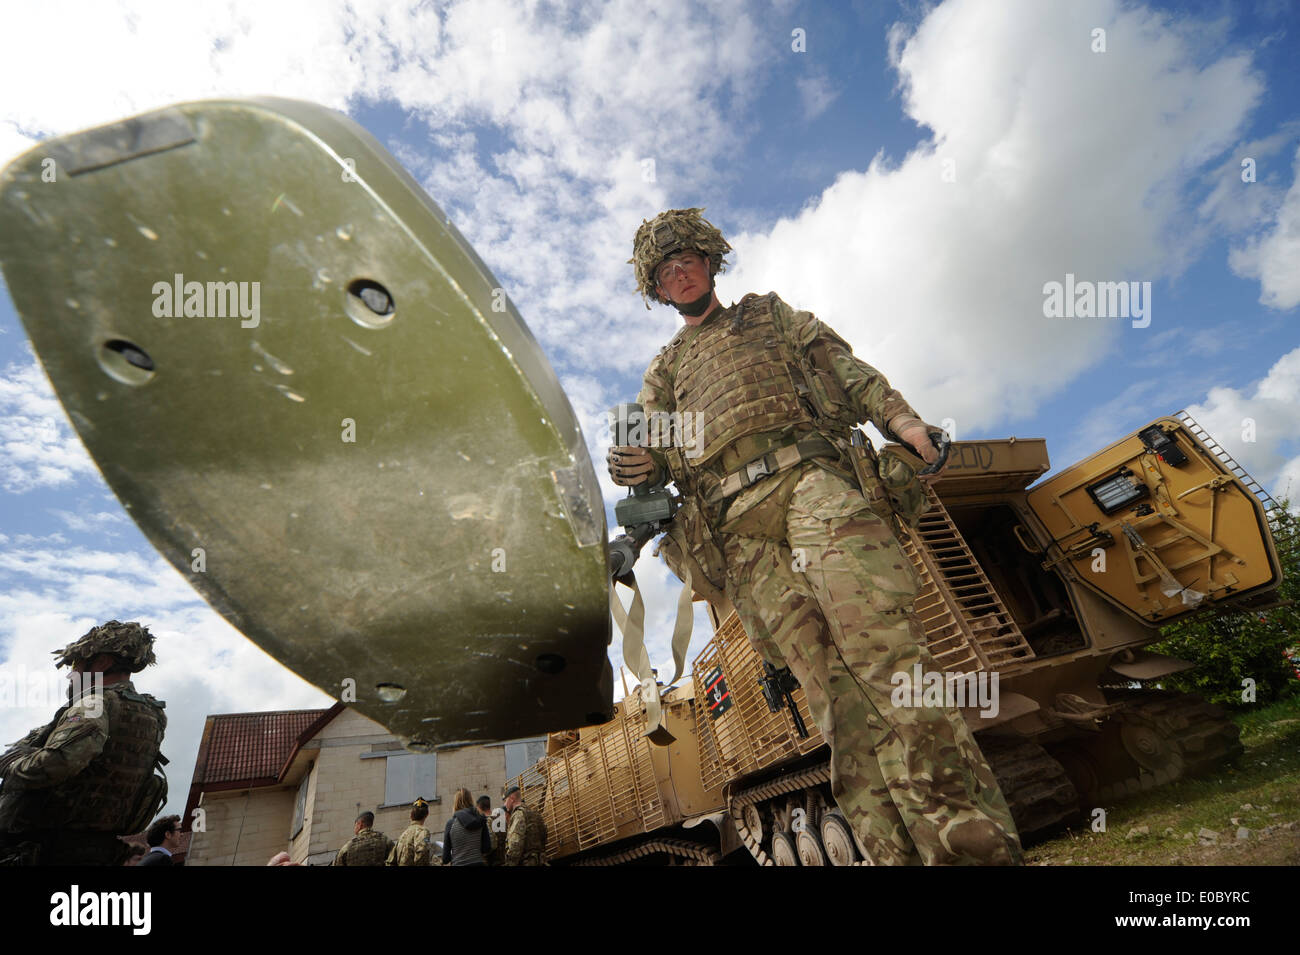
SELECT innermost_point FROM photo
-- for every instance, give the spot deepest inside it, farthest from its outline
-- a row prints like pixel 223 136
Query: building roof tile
pixel 249 746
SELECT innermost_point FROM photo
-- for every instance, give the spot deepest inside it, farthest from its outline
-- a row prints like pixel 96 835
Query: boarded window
pixel 523 755
pixel 300 805
pixel 410 775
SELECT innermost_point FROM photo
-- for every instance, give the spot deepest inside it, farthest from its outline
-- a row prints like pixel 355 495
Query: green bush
pixel 1233 647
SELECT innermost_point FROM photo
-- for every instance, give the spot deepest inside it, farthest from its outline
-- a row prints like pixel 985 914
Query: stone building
pixel 296 780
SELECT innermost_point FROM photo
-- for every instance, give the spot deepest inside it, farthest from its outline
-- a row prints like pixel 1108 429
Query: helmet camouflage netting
pixel 130 641
pixel 676 230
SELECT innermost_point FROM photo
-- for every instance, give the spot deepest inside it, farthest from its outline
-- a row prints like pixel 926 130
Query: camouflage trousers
pixel 821 585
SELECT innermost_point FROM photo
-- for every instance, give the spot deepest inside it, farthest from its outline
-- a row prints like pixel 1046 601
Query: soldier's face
pixel 80 677
pixel 683 277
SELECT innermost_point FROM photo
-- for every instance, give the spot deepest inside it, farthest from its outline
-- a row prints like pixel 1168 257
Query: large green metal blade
pixel 371 470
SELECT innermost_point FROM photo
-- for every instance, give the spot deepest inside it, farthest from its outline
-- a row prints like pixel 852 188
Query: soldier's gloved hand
pixel 919 438
pixel 630 466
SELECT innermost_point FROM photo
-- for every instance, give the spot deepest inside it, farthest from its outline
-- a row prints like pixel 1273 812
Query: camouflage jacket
pixel 498 854
pixel 367 847
pixel 413 847
pixel 91 769
pixel 526 837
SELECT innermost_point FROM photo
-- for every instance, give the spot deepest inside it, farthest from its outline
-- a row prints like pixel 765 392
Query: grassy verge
pixel 1171 826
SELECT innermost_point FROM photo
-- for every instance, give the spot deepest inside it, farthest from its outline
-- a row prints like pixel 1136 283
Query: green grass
pixel 1266 776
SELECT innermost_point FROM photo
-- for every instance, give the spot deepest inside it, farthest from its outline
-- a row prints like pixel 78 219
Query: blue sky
pixel 914 175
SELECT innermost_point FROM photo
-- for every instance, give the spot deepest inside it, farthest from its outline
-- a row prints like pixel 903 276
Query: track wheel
pixel 1177 735
pixel 1080 765
pixel 784 850
pixel 809 844
pixel 837 839
pixel 754 820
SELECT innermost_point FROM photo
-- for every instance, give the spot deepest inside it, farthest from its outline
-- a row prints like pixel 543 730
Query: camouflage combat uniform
pixel 414 847
pixel 70 788
pixel 526 837
pixel 819 580
pixel 498 854
pixel 367 847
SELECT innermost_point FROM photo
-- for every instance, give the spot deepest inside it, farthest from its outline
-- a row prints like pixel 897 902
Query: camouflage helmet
pixel 130 641
pixel 676 230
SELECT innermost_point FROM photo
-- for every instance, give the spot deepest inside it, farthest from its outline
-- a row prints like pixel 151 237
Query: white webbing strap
pixel 632 624
pixel 682 628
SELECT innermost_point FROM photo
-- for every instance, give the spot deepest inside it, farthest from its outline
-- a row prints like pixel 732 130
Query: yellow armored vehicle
pixel 1054 590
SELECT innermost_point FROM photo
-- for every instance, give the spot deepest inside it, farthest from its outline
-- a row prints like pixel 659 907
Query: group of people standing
pixel 472 836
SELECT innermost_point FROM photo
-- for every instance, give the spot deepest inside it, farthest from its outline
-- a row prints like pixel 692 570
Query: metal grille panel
pixel 967 627
pixel 748 736
pixel 600 789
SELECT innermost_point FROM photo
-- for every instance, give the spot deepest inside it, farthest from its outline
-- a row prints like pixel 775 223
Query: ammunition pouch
pixel 863 459
pixel 148 803
pixel 690 547
pixel 902 487
pixel 889 483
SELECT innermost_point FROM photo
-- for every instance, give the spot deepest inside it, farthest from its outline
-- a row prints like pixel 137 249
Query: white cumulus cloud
pixel 38 447
pixel 1044 158
pixel 1258 426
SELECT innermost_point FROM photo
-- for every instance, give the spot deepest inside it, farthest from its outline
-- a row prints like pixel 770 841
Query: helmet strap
pixel 696 307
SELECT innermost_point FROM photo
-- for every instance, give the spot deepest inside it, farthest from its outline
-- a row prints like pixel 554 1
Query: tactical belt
pixel 773 462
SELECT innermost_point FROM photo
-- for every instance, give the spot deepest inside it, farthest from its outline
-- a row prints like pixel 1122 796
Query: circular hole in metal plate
pixel 369 304
pixel 390 692
pixel 550 662
pixel 125 361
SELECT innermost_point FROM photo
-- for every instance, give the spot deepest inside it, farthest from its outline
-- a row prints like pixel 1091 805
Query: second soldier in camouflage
pixel 93 773
pixel 525 832
pixel 367 847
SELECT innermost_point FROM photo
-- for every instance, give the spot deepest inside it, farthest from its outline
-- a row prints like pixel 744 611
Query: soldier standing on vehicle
pixel 73 786
pixel 415 845
pixel 367 846
pixel 525 832
pixel 774 517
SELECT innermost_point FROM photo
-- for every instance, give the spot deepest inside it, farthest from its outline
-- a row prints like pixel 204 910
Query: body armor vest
pixel 534 837
pixel 367 847
pixel 735 377
pixel 103 796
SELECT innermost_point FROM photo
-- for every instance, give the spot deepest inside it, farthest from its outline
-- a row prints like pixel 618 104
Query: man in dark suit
pixel 164 838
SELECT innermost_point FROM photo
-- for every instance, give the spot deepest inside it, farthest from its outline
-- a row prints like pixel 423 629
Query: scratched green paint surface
pixel 455 548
